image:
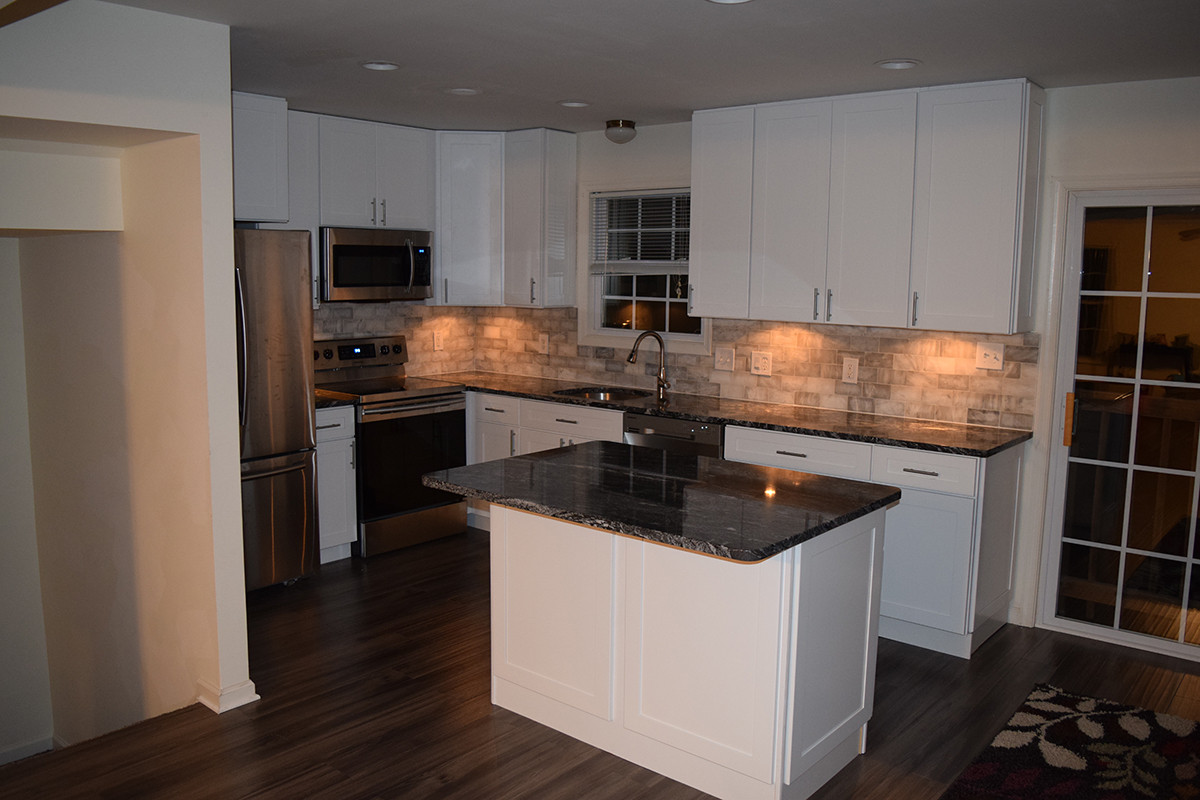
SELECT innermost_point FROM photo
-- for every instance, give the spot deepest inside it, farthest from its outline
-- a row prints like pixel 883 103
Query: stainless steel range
pixel 405 427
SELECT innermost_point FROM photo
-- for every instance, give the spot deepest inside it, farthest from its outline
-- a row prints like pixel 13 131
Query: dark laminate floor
pixel 374 679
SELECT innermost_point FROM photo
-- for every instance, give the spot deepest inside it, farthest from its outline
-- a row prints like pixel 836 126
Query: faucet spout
pixel 663 384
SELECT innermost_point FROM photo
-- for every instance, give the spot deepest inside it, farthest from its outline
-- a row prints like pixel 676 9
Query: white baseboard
pixel 222 700
pixel 26 750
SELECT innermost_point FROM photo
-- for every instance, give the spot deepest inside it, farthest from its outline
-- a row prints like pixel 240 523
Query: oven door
pixel 399 442
pixel 375 265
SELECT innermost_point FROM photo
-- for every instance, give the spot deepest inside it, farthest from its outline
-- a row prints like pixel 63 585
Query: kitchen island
pixel 712 621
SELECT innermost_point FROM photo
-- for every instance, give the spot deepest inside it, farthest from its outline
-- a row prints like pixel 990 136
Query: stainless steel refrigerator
pixel 275 403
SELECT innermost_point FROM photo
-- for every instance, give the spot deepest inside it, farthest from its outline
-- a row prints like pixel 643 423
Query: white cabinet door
pixel 686 632
pixel 337 517
pixel 304 188
pixel 722 189
pixel 553 609
pixel 870 209
pixel 347 172
pixel 534 441
pixel 927 560
pixel 970 209
pixel 260 158
pixel 791 210
pixel 470 221
pixel 539 218
pixel 406 186
pixel 494 440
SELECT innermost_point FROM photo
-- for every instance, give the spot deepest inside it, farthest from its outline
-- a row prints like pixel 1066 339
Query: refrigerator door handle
pixel 254 476
pixel 245 356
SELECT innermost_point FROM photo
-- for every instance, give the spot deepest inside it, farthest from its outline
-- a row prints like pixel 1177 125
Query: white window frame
pixel 590 333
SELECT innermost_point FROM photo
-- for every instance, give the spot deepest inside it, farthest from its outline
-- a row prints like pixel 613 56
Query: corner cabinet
pixel 376 175
pixel 818 211
pixel 506 218
pixel 337 509
pixel 949 542
pixel 260 158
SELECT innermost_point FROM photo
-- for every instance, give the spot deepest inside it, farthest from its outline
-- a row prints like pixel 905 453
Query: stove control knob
pixel 328 353
pixel 316 355
pixel 384 350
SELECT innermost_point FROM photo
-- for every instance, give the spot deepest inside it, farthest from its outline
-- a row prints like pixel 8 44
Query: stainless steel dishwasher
pixel 675 435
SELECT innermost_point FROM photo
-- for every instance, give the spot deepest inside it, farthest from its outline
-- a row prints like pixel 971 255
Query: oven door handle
pixel 414 409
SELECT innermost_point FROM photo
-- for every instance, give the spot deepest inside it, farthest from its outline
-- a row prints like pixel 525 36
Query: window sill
pixel 622 341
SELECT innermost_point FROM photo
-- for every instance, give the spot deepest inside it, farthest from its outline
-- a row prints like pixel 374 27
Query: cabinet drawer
pixel 571 421
pixel 799 452
pixel 937 472
pixel 496 408
pixel 335 423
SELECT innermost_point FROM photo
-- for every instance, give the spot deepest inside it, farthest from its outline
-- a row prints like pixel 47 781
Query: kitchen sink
pixel 611 393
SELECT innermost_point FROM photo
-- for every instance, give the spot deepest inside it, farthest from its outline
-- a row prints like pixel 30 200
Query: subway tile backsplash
pixel 918 374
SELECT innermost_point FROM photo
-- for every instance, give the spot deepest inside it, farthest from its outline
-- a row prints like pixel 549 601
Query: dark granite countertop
pixel 736 511
pixel 943 437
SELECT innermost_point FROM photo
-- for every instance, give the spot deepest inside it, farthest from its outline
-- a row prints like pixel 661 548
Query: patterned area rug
pixel 1069 747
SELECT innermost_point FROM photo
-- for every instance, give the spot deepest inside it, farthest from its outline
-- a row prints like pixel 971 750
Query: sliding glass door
pixel 1124 564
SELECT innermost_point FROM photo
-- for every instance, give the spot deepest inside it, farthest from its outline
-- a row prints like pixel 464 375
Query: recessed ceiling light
pixel 898 63
pixel 728 2
pixel 573 104
pixel 463 91
pixel 379 66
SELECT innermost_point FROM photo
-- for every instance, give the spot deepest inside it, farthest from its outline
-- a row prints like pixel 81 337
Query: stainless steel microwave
pixel 374 264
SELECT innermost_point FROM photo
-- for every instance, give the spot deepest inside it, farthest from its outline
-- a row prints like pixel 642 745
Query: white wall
pixel 27 725
pixel 1109 136
pixel 94 66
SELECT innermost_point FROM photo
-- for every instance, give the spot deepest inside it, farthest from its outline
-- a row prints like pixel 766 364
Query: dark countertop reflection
pixel 728 509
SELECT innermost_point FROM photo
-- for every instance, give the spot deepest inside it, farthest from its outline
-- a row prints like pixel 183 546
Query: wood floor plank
pixel 375 679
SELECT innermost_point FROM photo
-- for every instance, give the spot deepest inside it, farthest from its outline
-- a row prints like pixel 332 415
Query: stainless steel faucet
pixel 663 383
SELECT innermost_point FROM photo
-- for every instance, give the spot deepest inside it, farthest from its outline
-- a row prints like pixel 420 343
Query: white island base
pixel 743 680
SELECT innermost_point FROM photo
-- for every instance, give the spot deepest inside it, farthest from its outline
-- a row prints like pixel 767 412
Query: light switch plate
pixel 760 362
pixel 544 343
pixel 723 359
pixel 439 340
pixel 989 356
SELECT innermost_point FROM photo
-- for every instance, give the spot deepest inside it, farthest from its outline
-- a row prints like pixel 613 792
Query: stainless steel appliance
pixel 405 428
pixel 675 435
pixel 376 264
pixel 275 404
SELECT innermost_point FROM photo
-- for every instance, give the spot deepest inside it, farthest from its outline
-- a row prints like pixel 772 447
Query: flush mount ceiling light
pixel 728 2
pixel 379 66
pixel 464 91
pixel 620 131
pixel 573 104
pixel 898 63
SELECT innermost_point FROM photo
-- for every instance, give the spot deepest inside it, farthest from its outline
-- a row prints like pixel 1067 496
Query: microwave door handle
pixel 412 263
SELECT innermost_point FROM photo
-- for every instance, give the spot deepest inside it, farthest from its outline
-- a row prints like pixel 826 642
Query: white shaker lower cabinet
pixel 746 681
pixel 337 505
pixel 949 549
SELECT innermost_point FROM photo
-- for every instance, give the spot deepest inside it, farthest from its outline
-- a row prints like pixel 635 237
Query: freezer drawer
pixel 279 521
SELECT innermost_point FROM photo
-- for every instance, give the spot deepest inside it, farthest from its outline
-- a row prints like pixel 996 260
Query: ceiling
pixel 654 61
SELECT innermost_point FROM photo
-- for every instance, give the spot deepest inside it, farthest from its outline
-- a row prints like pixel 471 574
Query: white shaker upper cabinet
pixel 469 248
pixel 539 218
pixel 376 175
pixel 870 209
pixel 260 158
pixel 975 207
pixel 722 186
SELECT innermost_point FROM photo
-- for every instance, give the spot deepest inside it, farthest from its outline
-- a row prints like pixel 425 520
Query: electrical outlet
pixel 544 343
pixel 760 363
pixel 439 340
pixel 723 359
pixel 849 370
pixel 989 356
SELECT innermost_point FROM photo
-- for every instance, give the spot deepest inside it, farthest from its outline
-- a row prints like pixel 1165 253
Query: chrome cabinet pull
pixel 446 290
pixel 353 450
pixel 789 453
pixel 327 427
pixel 372 210
pixel 562 442
pixel 816 302
pixel 383 215
pixel 567 421
pixel 532 283
pixel 512 442
pixel 829 306
pixel 915 471
pixel 914 316
pixel 691 296
pixel 495 410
